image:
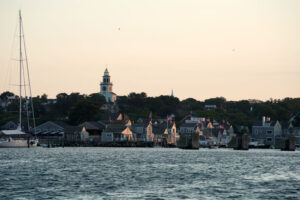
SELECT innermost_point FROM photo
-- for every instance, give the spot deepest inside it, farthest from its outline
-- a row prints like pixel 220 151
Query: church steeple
pixel 106 87
pixel 106 78
pixel 106 73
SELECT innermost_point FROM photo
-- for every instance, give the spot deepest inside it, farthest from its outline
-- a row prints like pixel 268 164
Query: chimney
pixel 263 120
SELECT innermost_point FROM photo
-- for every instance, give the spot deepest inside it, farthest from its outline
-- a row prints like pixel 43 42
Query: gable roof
pixel 144 125
pixel 259 123
pixel 60 125
pixel 12 132
pixel 159 129
pixel 92 125
pixel 115 128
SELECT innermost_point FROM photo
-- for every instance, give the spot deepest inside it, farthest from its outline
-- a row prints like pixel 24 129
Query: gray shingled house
pixel 265 131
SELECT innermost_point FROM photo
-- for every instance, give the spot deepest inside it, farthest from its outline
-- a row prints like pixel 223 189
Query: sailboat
pixel 18 138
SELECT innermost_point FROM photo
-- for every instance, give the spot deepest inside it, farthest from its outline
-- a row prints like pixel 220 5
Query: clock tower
pixel 106 88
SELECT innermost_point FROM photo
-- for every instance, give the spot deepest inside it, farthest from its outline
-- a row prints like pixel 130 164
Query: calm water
pixel 145 173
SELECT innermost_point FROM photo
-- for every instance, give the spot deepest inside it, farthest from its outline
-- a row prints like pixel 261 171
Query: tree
pixel 44 98
pixel 191 104
pixel 5 95
pixel 82 111
pixel 97 98
pixel 218 101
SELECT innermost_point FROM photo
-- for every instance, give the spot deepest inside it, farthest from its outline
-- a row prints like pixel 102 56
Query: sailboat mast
pixel 20 32
pixel 28 78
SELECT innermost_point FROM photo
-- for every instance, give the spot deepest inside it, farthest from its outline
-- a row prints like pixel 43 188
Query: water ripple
pixel 137 173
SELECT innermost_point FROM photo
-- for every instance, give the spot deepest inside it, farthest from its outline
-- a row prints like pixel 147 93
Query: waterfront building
pixel 115 125
pixel 116 133
pixel 57 133
pixel 106 88
pixel 290 130
pixel 265 131
pixel 189 128
pixel 143 131
pixel 91 131
pixel 165 132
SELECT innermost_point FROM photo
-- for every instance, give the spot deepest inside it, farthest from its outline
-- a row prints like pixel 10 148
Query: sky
pixel 238 49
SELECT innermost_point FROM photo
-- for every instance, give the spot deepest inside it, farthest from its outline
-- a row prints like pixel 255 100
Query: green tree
pixel 84 110
pixel 218 101
pixel 97 98
pixel 5 95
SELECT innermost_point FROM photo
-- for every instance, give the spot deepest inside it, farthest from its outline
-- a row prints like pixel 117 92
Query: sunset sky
pixel 238 49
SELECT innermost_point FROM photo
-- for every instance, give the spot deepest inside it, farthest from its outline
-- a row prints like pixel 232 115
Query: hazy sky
pixel 239 49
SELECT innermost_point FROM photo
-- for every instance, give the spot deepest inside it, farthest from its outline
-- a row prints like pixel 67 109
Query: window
pixel 269 132
pixel 269 139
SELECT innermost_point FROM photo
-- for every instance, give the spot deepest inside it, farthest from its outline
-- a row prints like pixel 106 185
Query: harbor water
pixel 148 173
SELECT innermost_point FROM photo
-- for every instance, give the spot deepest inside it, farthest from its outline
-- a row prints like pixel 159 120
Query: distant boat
pixel 18 138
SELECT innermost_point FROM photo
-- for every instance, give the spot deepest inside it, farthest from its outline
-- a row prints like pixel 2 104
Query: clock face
pixel 104 88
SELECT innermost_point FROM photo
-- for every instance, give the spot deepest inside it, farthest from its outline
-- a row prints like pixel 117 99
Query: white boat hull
pixel 13 143
pixel 17 143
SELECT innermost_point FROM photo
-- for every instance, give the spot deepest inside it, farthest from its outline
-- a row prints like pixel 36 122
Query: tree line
pixel 76 108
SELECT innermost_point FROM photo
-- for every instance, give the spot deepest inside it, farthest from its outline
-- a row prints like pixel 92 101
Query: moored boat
pixel 18 138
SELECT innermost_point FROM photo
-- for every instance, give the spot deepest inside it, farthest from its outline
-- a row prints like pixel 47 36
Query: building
pixel 191 119
pixel 91 132
pixel 57 133
pixel 189 128
pixel 11 125
pixel 143 131
pixel 265 131
pixel 165 132
pixel 290 130
pixel 116 133
pixel 106 88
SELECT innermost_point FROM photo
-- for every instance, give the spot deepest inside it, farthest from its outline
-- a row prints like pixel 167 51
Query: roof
pixel 259 123
pixel 286 125
pixel 12 132
pixel 214 132
pixel 188 125
pixel 61 124
pixel 10 125
pixel 159 129
pixel 92 125
pixel 144 125
pixel 127 131
pixel 115 128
